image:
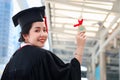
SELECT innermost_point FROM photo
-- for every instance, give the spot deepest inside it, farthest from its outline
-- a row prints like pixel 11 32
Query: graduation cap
pixel 29 15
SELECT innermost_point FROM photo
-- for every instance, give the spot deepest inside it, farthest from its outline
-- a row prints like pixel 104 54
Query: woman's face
pixel 37 34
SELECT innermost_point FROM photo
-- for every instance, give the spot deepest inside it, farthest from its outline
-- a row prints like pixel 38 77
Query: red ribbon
pixel 79 23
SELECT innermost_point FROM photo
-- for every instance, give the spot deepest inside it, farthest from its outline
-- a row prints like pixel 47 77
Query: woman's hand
pixel 80 39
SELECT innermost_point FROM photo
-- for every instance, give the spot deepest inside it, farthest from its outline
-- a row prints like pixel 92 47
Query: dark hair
pixel 24 30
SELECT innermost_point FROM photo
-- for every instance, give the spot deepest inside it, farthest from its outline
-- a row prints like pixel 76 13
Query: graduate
pixel 31 61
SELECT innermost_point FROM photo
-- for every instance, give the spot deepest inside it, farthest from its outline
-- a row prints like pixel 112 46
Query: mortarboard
pixel 29 15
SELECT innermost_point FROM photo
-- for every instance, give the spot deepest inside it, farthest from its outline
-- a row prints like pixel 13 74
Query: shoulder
pixel 32 49
pixel 30 52
pixel 28 55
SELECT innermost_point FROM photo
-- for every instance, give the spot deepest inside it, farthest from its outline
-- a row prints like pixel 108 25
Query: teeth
pixel 42 40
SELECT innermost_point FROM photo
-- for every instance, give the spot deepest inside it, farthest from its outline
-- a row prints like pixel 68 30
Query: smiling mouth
pixel 42 40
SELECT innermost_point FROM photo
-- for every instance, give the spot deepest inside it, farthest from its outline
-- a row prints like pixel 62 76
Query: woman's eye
pixel 44 30
pixel 37 30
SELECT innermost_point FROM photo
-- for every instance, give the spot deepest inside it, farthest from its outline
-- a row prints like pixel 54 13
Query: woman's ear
pixel 25 36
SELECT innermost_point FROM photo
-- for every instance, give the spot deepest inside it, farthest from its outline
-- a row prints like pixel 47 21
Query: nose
pixel 42 33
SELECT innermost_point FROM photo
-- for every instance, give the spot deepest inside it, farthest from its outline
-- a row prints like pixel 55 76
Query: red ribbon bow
pixel 79 23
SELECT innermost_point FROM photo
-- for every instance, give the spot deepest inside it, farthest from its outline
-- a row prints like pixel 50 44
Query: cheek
pixel 32 37
pixel 46 35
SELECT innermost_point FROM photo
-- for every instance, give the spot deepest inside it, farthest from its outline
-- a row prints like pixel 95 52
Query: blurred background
pixel 101 18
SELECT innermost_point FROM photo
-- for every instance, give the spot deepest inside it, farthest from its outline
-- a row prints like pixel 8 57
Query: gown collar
pixel 24 44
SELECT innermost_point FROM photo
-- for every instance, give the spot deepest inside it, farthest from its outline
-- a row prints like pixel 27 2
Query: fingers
pixel 82 35
pixel 81 39
pixel 81 32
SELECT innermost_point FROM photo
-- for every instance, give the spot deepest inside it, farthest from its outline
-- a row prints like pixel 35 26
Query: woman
pixel 31 61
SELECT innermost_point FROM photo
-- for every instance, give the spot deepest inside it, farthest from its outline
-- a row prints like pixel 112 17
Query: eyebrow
pixel 37 27
pixel 40 27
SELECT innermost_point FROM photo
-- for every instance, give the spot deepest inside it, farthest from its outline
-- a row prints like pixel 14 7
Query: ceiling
pixel 101 20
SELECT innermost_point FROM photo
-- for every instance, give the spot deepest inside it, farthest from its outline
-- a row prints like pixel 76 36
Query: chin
pixel 40 46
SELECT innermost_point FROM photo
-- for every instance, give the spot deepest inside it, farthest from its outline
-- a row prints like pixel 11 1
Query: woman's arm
pixel 80 39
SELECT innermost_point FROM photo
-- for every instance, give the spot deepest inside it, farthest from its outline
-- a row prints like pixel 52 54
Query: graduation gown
pixel 34 63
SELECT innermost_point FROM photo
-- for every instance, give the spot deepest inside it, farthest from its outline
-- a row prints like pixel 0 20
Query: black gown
pixel 33 63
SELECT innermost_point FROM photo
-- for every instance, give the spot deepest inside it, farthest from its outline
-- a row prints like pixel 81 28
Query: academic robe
pixel 34 63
